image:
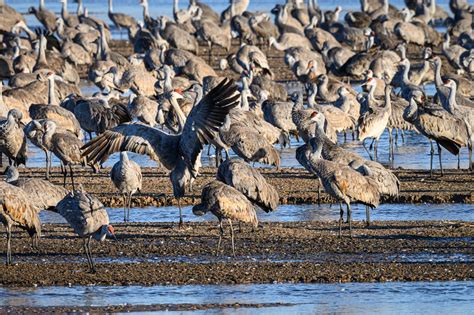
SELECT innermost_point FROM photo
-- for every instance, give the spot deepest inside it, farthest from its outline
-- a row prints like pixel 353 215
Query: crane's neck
pixel 124 157
pixel 406 69
pixel 403 52
pixel 41 5
pixel 162 53
pixel 388 103
pixel 244 102
pixel 64 12
pixel 371 95
pixel 60 28
pixel 80 10
pixel 385 7
pixel 323 87
pixel 411 111
pixel 47 136
pixel 103 43
pixel 312 92
pixel 452 105
pixel 146 14
pixel 41 59
pixel 168 82
pixel 198 96
pixel 179 113
pixel 52 100
pixel 111 8
pixel 438 80
pixel 175 8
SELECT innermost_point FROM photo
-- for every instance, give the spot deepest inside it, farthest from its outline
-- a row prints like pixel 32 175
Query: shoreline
pixel 294 185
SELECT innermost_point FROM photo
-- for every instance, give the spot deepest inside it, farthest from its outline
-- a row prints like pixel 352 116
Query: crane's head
pixel 108 230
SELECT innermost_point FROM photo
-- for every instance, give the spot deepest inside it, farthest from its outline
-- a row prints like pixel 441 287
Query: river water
pixel 349 298
pixel 165 7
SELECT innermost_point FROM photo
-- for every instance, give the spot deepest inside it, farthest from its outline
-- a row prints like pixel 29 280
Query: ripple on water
pixel 293 213
pixel 382 298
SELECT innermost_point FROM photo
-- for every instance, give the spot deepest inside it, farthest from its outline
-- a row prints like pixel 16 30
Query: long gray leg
pixel 9 249
pixel 341 214
pixel 232 237
pixel 124 208
pixel 367 215
pixel 128 206
pixel 90 254
pixel 221 233
pixel 439 155
pixel 350 218
pixel 180 213
pixel 431 158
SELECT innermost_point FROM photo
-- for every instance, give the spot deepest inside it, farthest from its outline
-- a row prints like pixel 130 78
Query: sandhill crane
pixel 247 180
pixel 303 119
pixel 70 20
pixel 407 88
pixel 442 92
pixel 434 122
pixel 178 153
pixel 338 119
pixel 65 146
pixel 127 177
pixel 42 193
pixel 226 202
pixel 12 138
pixel 248 144
pixel 143 109
pixel 16 209
pixel 279 115
pixel 88 217
pixel 463 112
pixel 341 181
pixel 61 116
pixel 121 20
pixel 46 17
pixel 96 115
pixel 373 122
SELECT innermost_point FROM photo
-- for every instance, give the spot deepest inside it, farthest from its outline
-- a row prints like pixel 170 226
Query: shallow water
pixel 357 298
pixel 295 213
pixel 99 8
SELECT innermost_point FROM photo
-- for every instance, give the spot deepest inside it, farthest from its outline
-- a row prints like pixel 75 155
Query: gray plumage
pixel 96 115
pixel 88 217
pixel 12 138
pixel 43 194
pixel 226 203
pixel 339 180
pixel 65 146
pixel 250 182
pixel 179 153
pixel 127 178
pixel 248 144
pixel 17 210
pixel 437 124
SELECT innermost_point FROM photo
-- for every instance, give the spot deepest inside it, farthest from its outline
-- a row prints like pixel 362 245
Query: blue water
pixel 295 213
pixel 164 7
pixel 349 298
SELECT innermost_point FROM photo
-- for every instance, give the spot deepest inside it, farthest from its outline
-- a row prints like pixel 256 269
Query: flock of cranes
pixel 168 103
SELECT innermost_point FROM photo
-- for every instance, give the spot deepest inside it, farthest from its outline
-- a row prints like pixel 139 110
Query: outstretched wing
pixel 206 118
pixel 133 137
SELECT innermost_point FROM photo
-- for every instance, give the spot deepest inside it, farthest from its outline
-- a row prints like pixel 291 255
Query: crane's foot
pixel 92 270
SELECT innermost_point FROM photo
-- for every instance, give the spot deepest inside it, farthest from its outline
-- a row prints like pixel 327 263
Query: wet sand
pixel 300 252
pixel 294 185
